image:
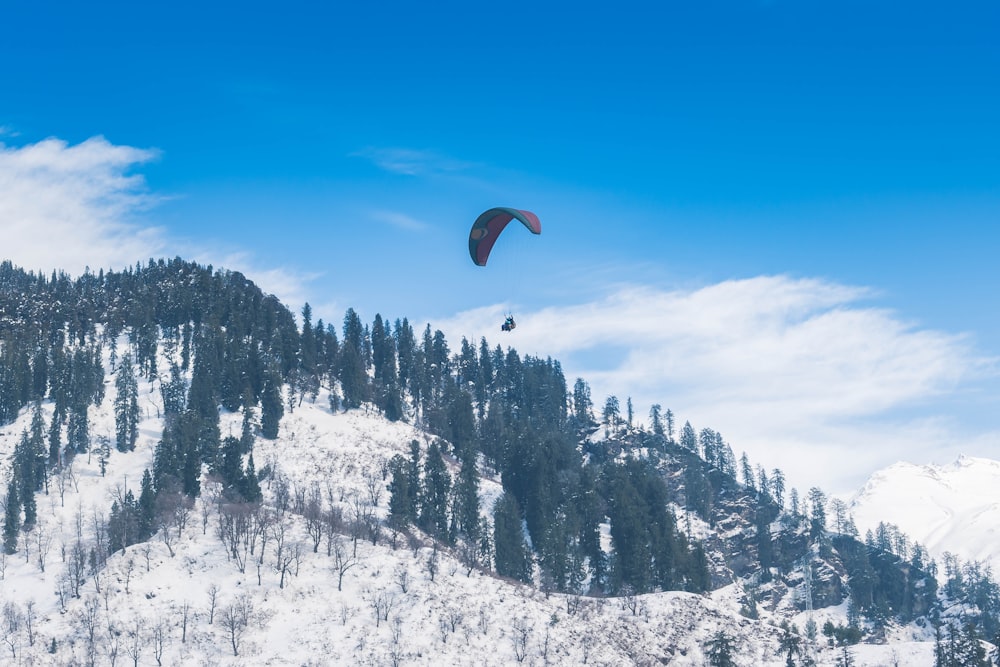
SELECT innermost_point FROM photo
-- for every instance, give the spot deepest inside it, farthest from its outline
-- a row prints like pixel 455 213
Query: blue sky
pixel 778 219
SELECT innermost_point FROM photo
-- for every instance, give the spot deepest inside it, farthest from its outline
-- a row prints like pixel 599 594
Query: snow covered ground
pixel 402 602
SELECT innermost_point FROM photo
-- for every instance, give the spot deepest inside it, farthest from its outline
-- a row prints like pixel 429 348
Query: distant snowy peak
pixel 953 507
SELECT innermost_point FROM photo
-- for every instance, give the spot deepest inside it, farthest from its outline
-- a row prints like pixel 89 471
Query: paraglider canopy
pixel 488 226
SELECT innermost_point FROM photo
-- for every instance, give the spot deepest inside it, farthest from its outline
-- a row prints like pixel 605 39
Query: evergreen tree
pixel 512 556
pixel 817 517
pixel 401 502
pixel 656 419
pixel 11 518
pixel 126 406
pixel 583 406
pixel 790 644
pixel 146 510
pixel 230 468
pixel 308 356
pixel 435 493
pixel 353 370
pixel 466 505
pixel 251 484
pixel 25 470
pixel 611 414
pixel 78 429
pixel 271 406
pixel 55 443
pixel 721 650
pixel 688 438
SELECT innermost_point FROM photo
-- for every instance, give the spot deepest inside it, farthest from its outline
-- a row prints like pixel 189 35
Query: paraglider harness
pixel 508 324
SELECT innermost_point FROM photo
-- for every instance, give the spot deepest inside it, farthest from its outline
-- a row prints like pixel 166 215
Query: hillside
pixel 455 617
pixel 193 477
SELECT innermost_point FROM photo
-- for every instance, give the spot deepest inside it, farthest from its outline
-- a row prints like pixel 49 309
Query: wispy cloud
pixel 400 220
pixel 67 207
pixel 411 162
pixel 798 372
pixel 75 206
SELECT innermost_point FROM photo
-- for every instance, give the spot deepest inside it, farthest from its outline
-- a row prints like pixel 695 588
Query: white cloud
pixel 68 207
pixel 400 220
pixel 797 372
pixel 411 162
pixel 72 206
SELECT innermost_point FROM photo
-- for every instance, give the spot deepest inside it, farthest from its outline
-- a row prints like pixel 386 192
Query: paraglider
pixel 487 229
pixel 488 226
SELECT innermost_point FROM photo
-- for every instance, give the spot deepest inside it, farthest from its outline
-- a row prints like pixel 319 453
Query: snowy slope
pixel 392 610
pixel 954 507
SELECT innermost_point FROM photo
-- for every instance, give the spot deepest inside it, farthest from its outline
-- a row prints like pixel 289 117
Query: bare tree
pixel 43 542
pixel 520 632
pixel 113 642
pixel 313 515
pixel 234 531
pixel 374 484
pixel 396 653
pixel 282 493
pixel 299 499
pixel 291 555
pixel 185 610
pixel 135 642
pixel 333 524
pixel 129 569
pixel 454 617
pixel 76 568
pixel 88 618
pixel 236 619
pixel 160 637
pixel 432 563
pixel 66 478
pixel 10 628
pixel 343 560
pixel 403 578
pixel 213 599
pixel 29 620
pixel 381 603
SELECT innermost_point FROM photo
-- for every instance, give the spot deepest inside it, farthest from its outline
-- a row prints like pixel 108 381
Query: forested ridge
pixel 568 468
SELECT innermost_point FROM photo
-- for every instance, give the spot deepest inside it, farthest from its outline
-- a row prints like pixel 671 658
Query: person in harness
pixel 508 324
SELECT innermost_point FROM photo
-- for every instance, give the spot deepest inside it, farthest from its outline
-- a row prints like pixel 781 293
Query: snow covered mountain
pixel 183 599
pixel 227 400
pixel 947 508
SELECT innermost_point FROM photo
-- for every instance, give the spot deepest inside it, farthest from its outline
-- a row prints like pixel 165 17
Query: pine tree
pixel 251 484
pixel 271 406
pixel 435 493
pixel 583 406
pixel 230 468
pixel 721 650
pixel 55 443
pixel 401 502
pixel 688 438
pixel 512 557
pixel 817 517
pixel 25 471
pixel 466 505
pixel 656 419
pixel 12 518
pixel 353 370
pixel 146 510
pixel 126 406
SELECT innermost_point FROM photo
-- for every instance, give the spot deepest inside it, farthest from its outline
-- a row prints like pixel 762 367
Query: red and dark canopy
pixel 488 226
